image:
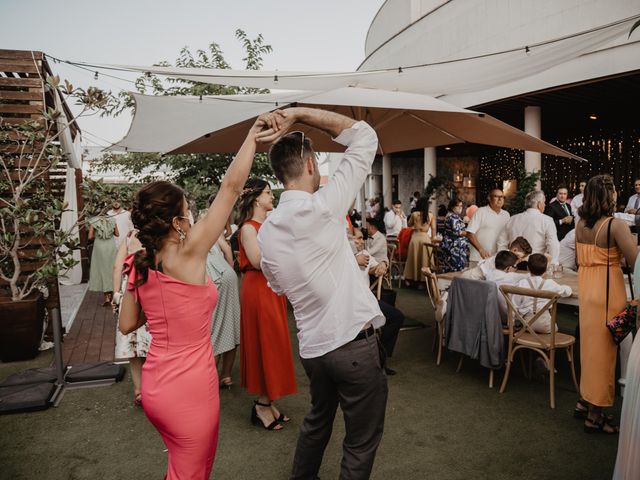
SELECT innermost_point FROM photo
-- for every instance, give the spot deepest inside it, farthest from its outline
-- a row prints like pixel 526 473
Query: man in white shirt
pixel 377 242
pixel 395 219
pixel 535 226
pixel 567 255
pixel 576 202
pixel 633 205
pixel 485 227
pixel 123 221
pixel 307 257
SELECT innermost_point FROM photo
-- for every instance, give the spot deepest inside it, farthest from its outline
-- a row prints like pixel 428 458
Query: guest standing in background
pixel 576 202
pixel 424 223
pixel 601 242
pixel 454 249
pixel 485 226
pixel 560 212
pixel 225 327
pixel 123 221
pixel 633 205
pixel 266 361
pixel 532 224
pixel 102 229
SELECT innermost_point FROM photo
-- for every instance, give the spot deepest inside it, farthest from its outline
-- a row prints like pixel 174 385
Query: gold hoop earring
pixel 181 234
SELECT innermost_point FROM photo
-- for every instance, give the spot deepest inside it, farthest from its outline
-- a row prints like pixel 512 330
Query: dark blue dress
pixel 454 249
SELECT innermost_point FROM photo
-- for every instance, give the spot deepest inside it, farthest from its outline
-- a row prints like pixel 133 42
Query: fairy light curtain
pixel 616 152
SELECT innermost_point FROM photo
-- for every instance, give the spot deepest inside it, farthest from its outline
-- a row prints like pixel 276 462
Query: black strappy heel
pixel 255 420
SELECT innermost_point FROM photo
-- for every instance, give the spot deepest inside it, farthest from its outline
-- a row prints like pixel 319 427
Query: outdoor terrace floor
pixel 440 425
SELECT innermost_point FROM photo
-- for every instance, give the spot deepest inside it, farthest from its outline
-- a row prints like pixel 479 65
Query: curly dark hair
pixel 154 208
pixel 598 201
pixel 252 190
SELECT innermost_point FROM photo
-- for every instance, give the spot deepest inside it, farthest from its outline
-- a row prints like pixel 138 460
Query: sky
pixel 305 35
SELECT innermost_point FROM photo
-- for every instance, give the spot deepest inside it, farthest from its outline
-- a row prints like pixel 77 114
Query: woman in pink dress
pixel 169 289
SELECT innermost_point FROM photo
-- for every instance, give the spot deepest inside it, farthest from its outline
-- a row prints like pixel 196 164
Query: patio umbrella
pixel 403 121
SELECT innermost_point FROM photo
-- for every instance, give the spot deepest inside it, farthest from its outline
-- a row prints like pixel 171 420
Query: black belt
pixel 365 334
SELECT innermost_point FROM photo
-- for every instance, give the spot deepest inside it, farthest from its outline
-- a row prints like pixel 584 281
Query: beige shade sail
pixel 403 121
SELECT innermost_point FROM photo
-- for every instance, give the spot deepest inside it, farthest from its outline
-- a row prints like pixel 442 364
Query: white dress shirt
pixel 632 202
pixel 306 255
pixel 364 271
pixel 394 223
pixel 576 203
pixel 539 230
pixel 486 225
pixel 124 223
pixel 567 256
pixel 527 305
pixel 377 247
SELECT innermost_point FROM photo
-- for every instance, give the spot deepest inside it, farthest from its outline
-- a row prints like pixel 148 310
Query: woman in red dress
pixel 266 361
pixel 168 288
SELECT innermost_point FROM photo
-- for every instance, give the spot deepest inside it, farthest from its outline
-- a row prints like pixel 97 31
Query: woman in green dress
pixel 102 230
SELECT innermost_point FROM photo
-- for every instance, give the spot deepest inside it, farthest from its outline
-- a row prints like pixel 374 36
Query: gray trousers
pixel 351 376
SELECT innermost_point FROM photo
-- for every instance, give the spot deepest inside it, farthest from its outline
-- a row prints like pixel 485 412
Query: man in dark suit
pixel 560 211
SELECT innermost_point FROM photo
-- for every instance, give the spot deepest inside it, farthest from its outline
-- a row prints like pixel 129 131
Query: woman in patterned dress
pixel 454 250
pixel 134 345
pixel 225 329
pixel 102 229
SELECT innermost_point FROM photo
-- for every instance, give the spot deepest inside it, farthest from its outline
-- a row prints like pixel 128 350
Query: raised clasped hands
pixel 271 126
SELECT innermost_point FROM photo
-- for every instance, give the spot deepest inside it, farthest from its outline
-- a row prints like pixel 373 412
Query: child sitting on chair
pixel 528 306
pixel 520 247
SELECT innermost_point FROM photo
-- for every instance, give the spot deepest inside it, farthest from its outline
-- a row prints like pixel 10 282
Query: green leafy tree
pixel 526 182
pixel 196 173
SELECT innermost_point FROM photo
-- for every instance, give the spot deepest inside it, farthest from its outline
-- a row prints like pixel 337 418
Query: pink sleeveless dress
pixel 179 379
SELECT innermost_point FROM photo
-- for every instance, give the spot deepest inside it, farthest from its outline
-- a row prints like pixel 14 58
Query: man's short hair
pixel 522 244
pixel 505 259
pixel 560 187
pixel 533 198
pixel 287 157
pixel 537 264
pixel 396 202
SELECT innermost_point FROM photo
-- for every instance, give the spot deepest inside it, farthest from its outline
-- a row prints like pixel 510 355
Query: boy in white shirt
pixel 528 306
pixel 520 247
pixel 504 274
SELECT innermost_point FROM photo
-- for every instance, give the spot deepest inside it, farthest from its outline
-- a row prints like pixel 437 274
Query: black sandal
pixel 282 418
pixel 255 419
pixel 583 413
pixel 598 426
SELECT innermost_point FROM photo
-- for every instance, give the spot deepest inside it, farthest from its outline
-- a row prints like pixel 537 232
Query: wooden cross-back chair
pixel 396 264
pixel 391 252
pixel 435 297
pixel 431 257
pixel 544 344
pixel 376 287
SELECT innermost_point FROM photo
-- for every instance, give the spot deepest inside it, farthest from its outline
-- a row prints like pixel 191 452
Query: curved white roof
pixel 413 32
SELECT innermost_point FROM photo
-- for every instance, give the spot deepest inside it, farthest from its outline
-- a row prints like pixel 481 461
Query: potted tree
pixel 33 249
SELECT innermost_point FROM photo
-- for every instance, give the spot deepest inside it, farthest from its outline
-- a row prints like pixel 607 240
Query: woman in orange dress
pixel 598 252
pixel 168 288
pixel 266 361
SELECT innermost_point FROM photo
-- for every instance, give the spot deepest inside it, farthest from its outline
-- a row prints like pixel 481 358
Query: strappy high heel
pixel 255 419
pixel 282 418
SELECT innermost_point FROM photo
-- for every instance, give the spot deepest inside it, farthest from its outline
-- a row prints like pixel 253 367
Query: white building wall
pixel 463 28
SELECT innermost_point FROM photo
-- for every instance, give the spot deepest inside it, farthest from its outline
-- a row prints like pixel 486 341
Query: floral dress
pixel 454 249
